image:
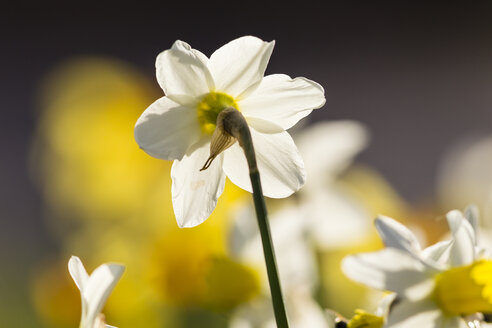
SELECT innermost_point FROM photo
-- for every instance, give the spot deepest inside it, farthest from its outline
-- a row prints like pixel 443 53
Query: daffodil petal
pixel 166 129
pixel 195 193
pixel 462 250
pixel 396 235
pixel 264 126
pixel 389 269
pixel 95 293
pixel 306 312
pixel 283 100
pixel 422 314
pixel 280 165
pixel 438 253
pixel 472 214
pixel 384 305
pixel 183 70
pixel 78 272
pixel 239 66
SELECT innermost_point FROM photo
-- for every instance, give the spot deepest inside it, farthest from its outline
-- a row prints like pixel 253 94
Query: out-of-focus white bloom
pixel 333 218
pixel 328 148
pixel 180 125
pixel 297 269
pixel 445 285
pixel 294 255
pixel 321 216
pixel 465 177
pixel 302 309
pixel 94 289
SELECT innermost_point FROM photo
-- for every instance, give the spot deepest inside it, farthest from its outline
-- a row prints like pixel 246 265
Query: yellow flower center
pixel 363 319
pixel 465 290
pixel 210 106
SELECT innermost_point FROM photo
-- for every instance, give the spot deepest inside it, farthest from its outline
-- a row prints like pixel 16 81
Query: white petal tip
pixel 77 271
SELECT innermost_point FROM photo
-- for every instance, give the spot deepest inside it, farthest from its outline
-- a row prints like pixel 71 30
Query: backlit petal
pixel 195 193
pixel 280 165
pixel 78 272
pixel 438 253
pixel 389 269
pixel 97 290
pixel 239 66
pixel 166 129
pixel 472 214
pixel 283 100
pixel 422 314
pixel 462 250
pixel 182 70
pixel 396 235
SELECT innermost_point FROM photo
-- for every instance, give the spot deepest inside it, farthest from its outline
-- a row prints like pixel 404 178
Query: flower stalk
pixel 233 123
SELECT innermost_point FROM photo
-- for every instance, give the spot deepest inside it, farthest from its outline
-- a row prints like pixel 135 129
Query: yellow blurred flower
pixel 84 150
pixel 54 295
pixel 191 268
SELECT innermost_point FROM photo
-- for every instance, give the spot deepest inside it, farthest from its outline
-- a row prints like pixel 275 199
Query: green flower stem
pixel 235 125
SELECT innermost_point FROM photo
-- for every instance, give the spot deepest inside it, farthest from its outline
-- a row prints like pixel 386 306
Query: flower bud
pixel 221 139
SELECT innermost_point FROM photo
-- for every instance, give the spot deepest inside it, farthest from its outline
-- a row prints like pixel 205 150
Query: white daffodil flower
pixel 179 126
pixel 94 289
pixel 340 141
pixel 333 218
pixel 445 285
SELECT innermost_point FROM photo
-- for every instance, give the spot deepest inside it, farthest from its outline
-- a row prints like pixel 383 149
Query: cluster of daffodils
pixel 448 284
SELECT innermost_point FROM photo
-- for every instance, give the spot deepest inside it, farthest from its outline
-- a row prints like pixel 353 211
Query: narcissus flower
pixel 447 285
pixel 180 125
pixel 94 289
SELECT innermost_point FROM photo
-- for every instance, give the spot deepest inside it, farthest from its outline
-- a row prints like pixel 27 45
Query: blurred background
pixel 409 123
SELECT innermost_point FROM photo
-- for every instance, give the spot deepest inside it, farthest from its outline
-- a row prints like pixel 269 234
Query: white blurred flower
pixel 179 126
pixel 328 148
pixel 302 309
pixel 333 217
pixel 465 176
pixel 445 285
pixel 297 269
pixel 321 216
pixel 295 256
pixel 94 289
